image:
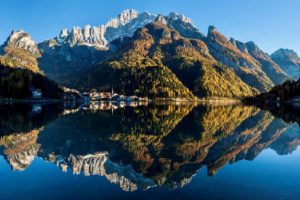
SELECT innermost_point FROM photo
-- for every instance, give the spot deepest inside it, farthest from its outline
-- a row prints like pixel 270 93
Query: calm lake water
pixel 105 151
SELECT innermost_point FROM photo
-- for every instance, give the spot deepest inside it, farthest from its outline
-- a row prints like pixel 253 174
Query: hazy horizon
pixel 270 24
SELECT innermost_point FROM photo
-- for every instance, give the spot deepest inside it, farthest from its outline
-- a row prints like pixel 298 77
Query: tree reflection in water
pixel 141 146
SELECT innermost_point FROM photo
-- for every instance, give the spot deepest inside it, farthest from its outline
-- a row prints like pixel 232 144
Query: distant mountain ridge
pixel 289 61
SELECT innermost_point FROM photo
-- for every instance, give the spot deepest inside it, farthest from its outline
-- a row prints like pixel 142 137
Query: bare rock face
pixel 289 61
pixel 289 54
pixel 236 57
pixel 226 52
pixel 93 36
pixel 268 66
pixel 182 24
pixel 241 46
pixel 22 40
pixel 20 50
pixel 123 25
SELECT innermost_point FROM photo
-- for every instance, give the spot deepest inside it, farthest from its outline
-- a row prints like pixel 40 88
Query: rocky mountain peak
pixel 211 29
pixel 175 16
pixel 21 39
pixel 268 66
pixel 241 46
pixel 20 51
pixel 286 54
pixel 252 47
pixel 125 17
pixel 181 24
pixel 233 41
pixel 251 43
pixel 214 35
pixel 162 19
pixel 64 33
pixel 123 25
pixel 289 62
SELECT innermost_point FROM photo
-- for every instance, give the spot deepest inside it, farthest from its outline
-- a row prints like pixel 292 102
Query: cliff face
pixel 21 39
pixel 123 25
pixel 268 66
pixel 21 51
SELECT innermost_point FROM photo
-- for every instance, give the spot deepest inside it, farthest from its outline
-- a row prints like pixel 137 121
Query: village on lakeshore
pixel 72 95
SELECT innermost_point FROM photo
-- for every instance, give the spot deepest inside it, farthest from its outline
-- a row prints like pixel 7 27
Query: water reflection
pixel 141 146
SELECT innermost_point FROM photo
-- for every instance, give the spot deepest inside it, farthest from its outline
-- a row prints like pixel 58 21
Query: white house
pixel 36 93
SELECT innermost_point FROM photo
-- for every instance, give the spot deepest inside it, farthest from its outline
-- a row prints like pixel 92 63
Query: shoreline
pixel 222 101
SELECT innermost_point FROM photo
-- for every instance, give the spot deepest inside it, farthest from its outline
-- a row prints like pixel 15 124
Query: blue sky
pixel 272 24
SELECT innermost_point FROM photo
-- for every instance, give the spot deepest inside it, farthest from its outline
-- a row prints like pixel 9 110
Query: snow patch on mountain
pixel 124 25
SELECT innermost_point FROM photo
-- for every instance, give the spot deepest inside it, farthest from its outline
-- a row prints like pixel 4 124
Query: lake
pixel 139 151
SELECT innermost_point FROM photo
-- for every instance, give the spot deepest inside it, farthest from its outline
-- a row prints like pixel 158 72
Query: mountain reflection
pixel 141 146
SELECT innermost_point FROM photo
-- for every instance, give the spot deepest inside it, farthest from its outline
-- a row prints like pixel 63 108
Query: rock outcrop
pixel 20 50
pixel 182 24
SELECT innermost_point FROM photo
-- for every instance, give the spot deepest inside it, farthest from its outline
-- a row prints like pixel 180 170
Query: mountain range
pixel 152 55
